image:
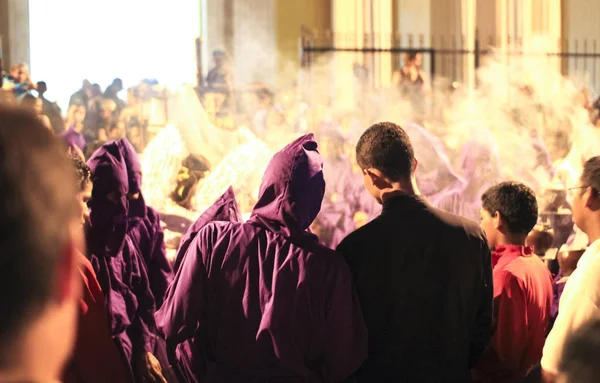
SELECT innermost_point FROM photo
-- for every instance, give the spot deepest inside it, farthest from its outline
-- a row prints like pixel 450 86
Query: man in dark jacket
pixel 423 276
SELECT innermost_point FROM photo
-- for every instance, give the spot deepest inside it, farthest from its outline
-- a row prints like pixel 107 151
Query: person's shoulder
pixel 85 266
pixel 359 235
pixel 220 229
pixel 458 224
pixel 527 269
pixel 321 259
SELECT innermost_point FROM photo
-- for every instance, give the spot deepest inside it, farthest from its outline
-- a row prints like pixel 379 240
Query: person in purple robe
pixel 120 267
pixel 74 136
pixel 335 219
pixel 480 168
pixel 435 171
pixel 263 300
pixel 144 226
pixel 225 209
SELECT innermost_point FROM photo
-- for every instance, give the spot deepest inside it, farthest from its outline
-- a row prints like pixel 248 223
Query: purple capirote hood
pixel 137 207
pixel 108 219
pixel 224 209
pixel 292 189
pixel 132 162
pixel 480 157
pixel 109 172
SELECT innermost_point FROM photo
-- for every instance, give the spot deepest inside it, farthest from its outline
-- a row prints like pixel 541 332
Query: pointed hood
pixel 480 158
pixel 108 218
pixel 225 209
pixel 435 172
pixel 292 189
pixel 137 208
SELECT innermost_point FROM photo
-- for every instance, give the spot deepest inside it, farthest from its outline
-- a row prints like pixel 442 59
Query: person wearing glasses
pixel 580 300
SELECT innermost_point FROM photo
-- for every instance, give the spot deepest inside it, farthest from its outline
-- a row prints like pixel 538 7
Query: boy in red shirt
pixel 522 285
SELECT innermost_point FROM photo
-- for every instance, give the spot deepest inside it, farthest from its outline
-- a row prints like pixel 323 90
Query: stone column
pixel 347 22
pixel 467 27
pixel 382 29
pixel 14 31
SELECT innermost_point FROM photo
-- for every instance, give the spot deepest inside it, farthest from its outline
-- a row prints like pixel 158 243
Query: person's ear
pixel 498 222
pixel 592 199
pixel 68 283
pixel 372 174
pixel 415 165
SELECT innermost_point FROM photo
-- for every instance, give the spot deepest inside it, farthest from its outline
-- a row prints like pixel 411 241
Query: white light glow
pixel 72 40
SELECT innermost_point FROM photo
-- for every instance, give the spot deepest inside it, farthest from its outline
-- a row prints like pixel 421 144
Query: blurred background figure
pixel 112 93
pixel 220 76
pixel 18 80
pixel 35 105
pixel 50 109
pixel 83 96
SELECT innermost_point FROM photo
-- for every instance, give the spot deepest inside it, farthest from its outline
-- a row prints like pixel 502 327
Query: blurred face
pixel 42 88
pixel 218 60
pixel 417 61
pixel 83 198
pixel 19 73
pixel 489 224
pixel 106 112
pixel 579 196
pixel 79 115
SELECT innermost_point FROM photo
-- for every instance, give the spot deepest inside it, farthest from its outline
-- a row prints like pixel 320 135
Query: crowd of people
pixel 372 271
pixel 415 295
pixel 92 116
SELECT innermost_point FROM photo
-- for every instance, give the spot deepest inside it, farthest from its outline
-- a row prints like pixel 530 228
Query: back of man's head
pixel 386 147
pixel 590 177
pixel 516 204
pixel 37 207
pixel 579 363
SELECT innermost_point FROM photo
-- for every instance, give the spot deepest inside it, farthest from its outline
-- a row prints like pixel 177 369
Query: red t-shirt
pixel 95 358
pixel 522 302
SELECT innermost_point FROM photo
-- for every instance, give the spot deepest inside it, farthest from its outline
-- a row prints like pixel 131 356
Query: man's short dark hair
pixel 591 174
pixel 37 203
pixel 516 204
pixel 579 362
pixel 386 147
pixel 82 172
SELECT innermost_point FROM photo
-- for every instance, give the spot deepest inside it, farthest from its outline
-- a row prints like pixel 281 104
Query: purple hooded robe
pixel 225 209
pixel 263 300
pixel 116 260
pixel 74 138
pixel 144 227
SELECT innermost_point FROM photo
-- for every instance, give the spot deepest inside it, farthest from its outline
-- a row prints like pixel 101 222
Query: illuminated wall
pixel 315 14
pixel 580 23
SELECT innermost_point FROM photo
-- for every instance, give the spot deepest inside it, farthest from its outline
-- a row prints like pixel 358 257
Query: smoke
pixel 524 121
